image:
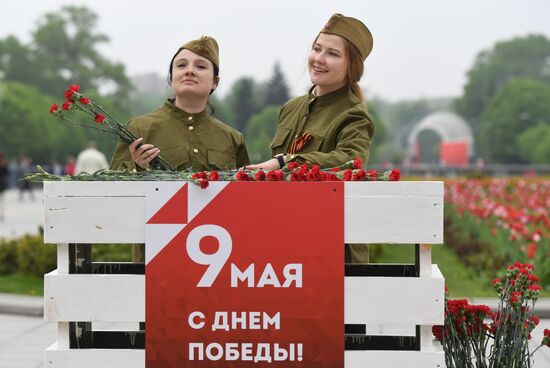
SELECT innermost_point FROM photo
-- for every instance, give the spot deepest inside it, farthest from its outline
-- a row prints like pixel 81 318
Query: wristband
pixel 280 157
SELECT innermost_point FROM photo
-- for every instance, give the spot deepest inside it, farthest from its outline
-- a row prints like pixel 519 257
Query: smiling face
pixel 328 63
pixel 192 74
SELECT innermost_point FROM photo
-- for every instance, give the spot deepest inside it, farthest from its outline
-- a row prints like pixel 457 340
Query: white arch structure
pixel 449 126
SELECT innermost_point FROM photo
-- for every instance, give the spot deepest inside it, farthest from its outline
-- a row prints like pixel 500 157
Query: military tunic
pixel 340 126
pixel 341 131
pixel 185 140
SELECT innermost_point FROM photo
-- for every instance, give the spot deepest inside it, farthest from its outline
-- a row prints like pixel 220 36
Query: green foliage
pixel 241 100
pixel 112 252
pixel 519 57
pixel 380 133
pixel 534 144
pixel 259 133
pixel 519 105
pixel 65 45
pixel 28 128
pixel 8 256
pixel 34 257
pixel 276 90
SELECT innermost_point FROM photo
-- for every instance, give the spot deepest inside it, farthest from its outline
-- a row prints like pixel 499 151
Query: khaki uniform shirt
pixel 342 129
pixel 185 140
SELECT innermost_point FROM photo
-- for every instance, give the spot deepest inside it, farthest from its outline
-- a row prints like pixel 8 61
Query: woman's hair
pixel 170 67
pixel 355 69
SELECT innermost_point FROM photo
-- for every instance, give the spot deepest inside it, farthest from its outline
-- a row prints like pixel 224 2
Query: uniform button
pixel 196 150
pixel 190 118
pixel 296 136
pixel 191 127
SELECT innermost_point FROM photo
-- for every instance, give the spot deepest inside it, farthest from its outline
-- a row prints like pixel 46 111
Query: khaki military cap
pixel 352 30
pixel 206 47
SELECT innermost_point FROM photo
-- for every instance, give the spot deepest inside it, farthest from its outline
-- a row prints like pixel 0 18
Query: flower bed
pixel 492 222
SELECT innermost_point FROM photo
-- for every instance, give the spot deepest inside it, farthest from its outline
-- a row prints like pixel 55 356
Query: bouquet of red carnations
pixel 99 120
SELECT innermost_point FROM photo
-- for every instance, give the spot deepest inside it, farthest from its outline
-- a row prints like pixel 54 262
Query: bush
pixel 34 257
pixel 8 256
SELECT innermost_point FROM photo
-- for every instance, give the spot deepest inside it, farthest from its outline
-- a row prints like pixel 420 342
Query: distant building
pixel 456 145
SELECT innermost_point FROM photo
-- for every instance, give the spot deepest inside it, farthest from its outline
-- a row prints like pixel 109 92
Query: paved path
pixel 21 216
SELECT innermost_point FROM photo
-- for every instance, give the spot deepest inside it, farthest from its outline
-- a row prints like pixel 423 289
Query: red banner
pixel 245 275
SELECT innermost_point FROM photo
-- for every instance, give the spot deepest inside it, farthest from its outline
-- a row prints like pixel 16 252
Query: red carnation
pixel 359 175
pixel 198 175
pixel 347 175
pixel 54 108
pixel 84 100
pixel 242 176
pixel 293 165
pixel 213 175
pixel 259 176
pixel 372 174
pixel 203 183
pixel 99 118
pixel 66 105
pixel 69 93
pixel 438 332
pixel 275 175
pixel 357 163
pixel 395 175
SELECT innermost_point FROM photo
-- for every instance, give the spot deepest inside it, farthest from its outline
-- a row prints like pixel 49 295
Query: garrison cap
pixel 206 47
pixel 352 30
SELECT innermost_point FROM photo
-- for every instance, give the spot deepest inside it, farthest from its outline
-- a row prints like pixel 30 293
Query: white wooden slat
pixel 375 212
pixel 124 358
pixel 398 188
pixel 94 220
pixel 93 358
pixel 393 219
pixel 104 298
pixel 121 298
pixel 387 359
pixel 394 300
pixel 94 189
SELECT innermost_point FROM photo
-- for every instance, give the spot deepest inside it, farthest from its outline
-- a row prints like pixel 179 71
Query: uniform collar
pixel 180 114
pixel 329 98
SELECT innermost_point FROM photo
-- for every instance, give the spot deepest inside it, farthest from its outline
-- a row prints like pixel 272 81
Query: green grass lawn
pixel 461 281
pixel 19 283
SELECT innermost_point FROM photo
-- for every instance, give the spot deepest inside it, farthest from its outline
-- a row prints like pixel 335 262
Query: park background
pixel 485 64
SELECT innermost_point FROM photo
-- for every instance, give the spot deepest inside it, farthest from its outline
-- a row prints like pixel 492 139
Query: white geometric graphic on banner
pixel 158 193
pixel 157 236
pixel 200 198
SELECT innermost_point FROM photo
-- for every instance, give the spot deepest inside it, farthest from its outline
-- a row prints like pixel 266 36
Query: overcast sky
pixel 422 48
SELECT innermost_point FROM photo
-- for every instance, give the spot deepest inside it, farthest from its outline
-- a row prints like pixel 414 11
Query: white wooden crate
pixel 114 212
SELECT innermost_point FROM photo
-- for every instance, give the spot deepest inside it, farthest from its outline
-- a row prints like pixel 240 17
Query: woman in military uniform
pixel 330 125
pixel 181 130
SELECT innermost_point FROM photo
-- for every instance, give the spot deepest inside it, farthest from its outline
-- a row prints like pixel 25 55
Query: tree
pixel 519 105
pixel 276 89
pixel 534 144
pixel 242 102
pixel 521 57
pixel 64 51
pixel 259 133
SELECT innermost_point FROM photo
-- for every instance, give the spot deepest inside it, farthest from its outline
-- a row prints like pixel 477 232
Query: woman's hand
pixel 143 154
pixel 272 164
